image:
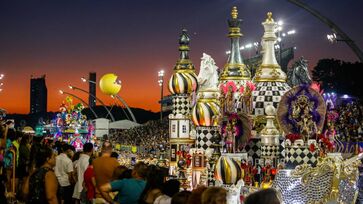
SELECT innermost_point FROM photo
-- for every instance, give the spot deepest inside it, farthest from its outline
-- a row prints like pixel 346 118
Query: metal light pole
pixel 115 96
pixel 93 112
pixel 279 29
pixel 108 111
pixel 127 107
pixel 354 47
pixel 161 84
pixel 1 83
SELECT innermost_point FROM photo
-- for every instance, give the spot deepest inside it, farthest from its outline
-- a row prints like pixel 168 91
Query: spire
pixel 184 63
pixel 269 70
pixel 235 68
pixel 184 79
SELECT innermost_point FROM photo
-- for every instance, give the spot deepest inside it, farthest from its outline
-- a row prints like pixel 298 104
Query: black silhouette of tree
pixel 339 76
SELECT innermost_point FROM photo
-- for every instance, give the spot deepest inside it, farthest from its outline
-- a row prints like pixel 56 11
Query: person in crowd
pixel 154 183
pixel 103 167
pixel 24 160
pixel 196 196
pixel 3 199
pixel 16 144
pixel 266 196
pixel 181 197
pixel 169 189
pixel 75 159
pixel 43 183
pixel 126 174
pixel 214 195
pixel 82 165
pixel 129 190
pixel 89 183
pixel 114 155
pixel 9 151
pixel 118 172
pixel 24 156
pixel 64 172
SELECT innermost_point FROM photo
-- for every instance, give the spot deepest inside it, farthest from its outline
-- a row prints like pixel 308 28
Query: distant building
pixel 92 89
pixel 38 95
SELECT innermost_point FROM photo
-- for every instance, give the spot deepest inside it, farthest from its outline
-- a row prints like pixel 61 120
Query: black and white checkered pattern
pixel 267 93
pixel 204 136
pixel 282 149
pixel 181 104
pixel 211 179
pixel 297 155
pixel 253 148
pixel 270 151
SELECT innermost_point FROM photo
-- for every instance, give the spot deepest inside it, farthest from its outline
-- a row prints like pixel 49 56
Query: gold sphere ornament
pixel 109 84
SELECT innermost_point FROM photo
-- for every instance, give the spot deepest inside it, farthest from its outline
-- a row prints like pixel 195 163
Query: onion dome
pixel 228 170
pixel 269 69
pixel 184 79
pixel 205 112
pixel 235 69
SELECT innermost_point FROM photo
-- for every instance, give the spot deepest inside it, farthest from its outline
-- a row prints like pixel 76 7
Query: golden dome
pixel 184 79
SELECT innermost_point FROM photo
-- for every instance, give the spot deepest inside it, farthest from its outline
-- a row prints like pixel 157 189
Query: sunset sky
pixel 66 39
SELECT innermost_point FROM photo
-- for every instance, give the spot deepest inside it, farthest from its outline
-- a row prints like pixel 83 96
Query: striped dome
pixel 183 83
pixel 228 170
pixel 203 112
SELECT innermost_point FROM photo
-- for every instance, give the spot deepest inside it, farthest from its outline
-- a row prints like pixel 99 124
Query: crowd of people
pixel 39 170
pixel 46 171
pixel 151 136
pixel 349 122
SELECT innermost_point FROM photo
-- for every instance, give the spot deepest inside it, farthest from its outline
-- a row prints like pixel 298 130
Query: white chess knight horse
pixel 208 75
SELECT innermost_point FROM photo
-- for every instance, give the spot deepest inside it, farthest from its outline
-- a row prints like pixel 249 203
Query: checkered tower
pixel 270 79
pixel 235 70
pixel 181 84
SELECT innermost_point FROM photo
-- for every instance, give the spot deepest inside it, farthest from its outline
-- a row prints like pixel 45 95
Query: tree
pixel 339 76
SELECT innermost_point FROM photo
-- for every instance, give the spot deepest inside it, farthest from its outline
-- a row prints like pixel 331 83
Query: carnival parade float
pixel 71 126
pixel 245 133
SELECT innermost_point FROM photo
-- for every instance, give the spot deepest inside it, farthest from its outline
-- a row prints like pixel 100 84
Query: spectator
pixel 89 182
pixel 215 195
pixel 196 196
pixel 169 189
pixel 129 190
pixel 118 172
pixel 126 174
pixel 24 161
pixel 64 172
pixel 104 167
pixel 266 196
pixel 114 155
pixel 3 199
pixel 43 183
pixel 154 183
pixel 82 164
pixel 181 197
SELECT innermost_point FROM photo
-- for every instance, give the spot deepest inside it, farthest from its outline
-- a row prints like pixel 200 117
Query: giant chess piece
pixel 207 108
pixel 299 73
pixel 182 84
pixel 235 73
pixel 270 79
